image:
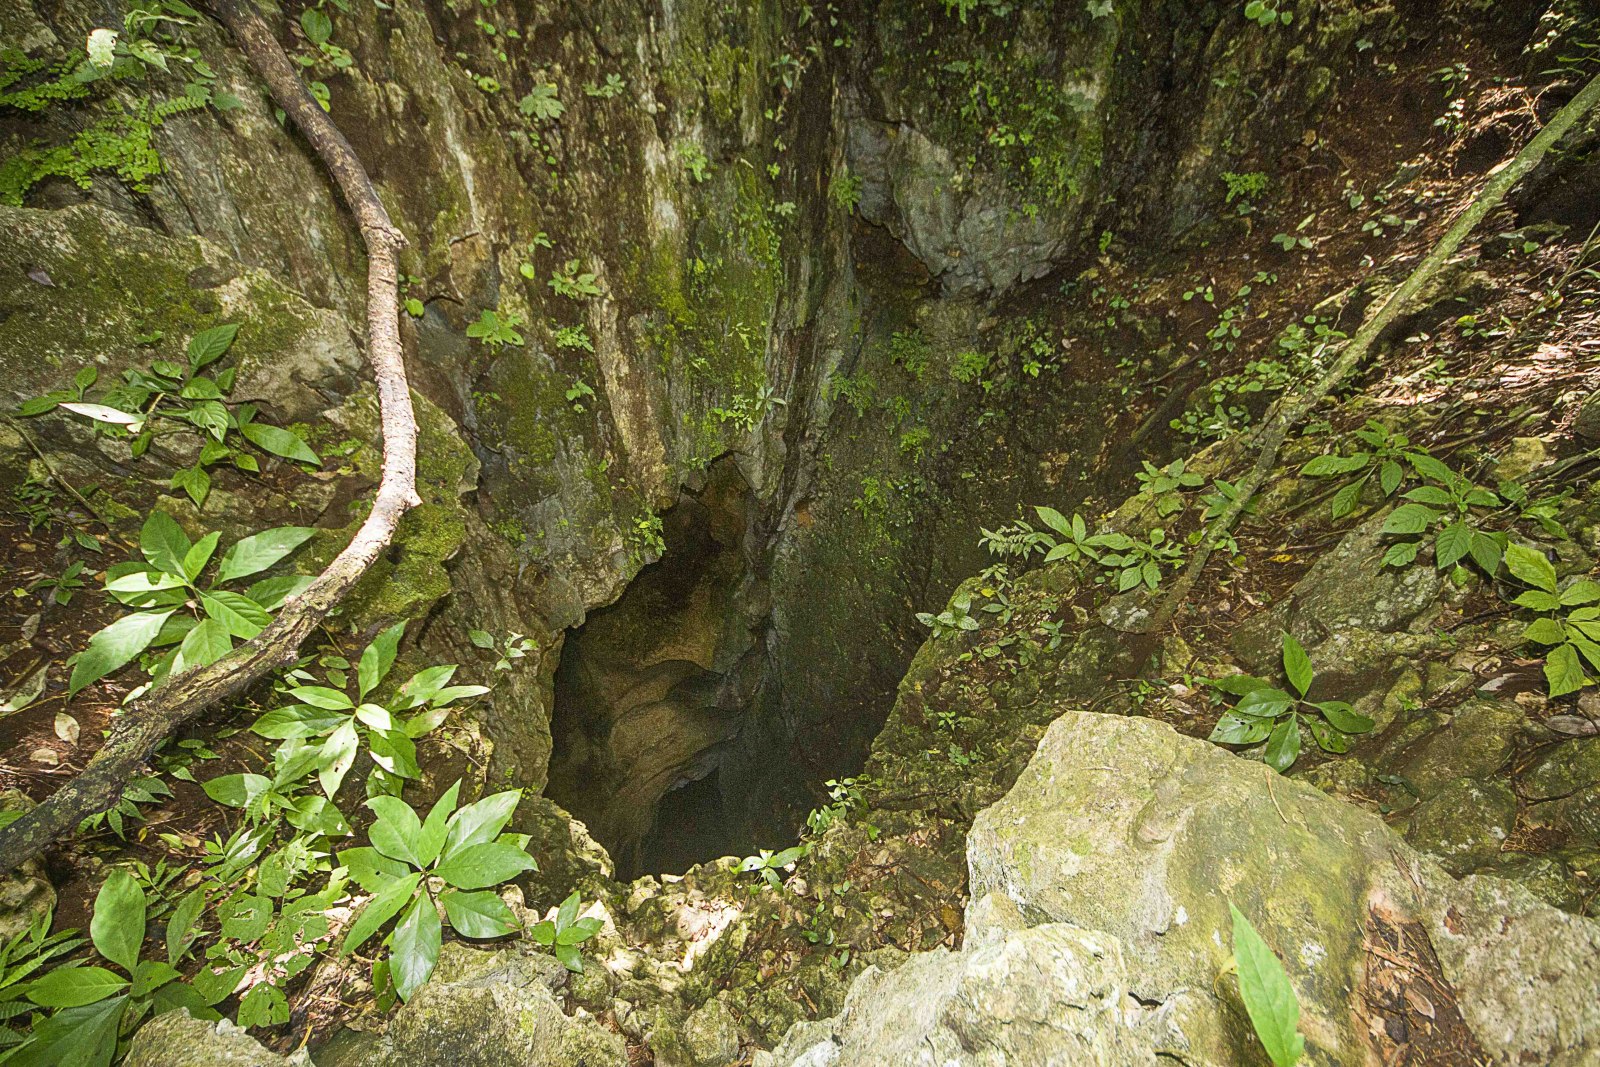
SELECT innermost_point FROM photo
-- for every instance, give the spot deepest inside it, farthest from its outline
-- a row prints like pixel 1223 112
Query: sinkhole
pixel 657 696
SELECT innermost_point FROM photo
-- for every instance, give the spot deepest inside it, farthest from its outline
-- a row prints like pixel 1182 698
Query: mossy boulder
pixel 1464 823
pixel 177 1039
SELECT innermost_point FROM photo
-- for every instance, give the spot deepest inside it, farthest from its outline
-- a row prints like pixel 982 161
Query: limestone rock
pixel 178 1039
pixel 492 1009
pixel 1478 739
pixel 712 1035
pixel 1565 769
pixel 1464 824
pixel 25 893
pixel 1123 827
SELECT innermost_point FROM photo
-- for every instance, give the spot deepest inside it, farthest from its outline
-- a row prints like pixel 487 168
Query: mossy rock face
pixel 1563 770
pixel 1122 827
pixel 177 1039
pixel 1477 741
pixel 1464 823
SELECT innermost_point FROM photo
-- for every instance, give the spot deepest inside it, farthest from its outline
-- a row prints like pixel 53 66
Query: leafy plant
pixel 168 583
pixel 578 392
pixel 21 955
pixel 495 331
pixel 1267 13
pixel 1385 453
pixel 414 867
pixel 62 587
pixel 1263 712
pixel 1268 997
pixel 573 282
pixel 1166 485
pixel 338 725
pixel 543 103
pixel 94 1007
pixel 1570 622
pixel 768 863
pixel 1448 505
pixel 168 397
pixel 1244 188
pixel 563 932
pixel 956 617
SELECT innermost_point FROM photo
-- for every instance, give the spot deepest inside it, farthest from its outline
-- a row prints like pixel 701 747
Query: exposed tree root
pixel 1293 408
pixel 141 728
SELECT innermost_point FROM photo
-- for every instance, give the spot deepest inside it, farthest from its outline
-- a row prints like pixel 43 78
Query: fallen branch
pixel 141 728
pixel 1293 408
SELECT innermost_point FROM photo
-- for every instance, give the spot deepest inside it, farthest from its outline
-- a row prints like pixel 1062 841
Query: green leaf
pixel 1239 684
pixel 163 542
pixel 321 696
pixel 206 643
pixel 422 686
pixel 195 560
pixel 380 909
pixel 1544 632
pixel 1345 500
pixel 1431 468
pixel 1322 466
pixel 1563 671
pixel 236 790
pixel 1344 717
pixel 1389 476
pixel 317 25
pixel 431 837
pixel 378 657
pixel 1538 600
pixel 1452 544
pixel 242 617
pixel 480 914
pixel 416 947
pixel 481 822
pixel 1296 664
pixel 194 481
pixel 245 918
pixel 208 346
pixel 256 553
pixel 398 832
pixel 1232 730
pixel 279 442
pixel 1583 591
pixel 1283 746
pixel 79 1037
pixel 338 754
pixel 483 865
pixel 371 869
pixel 1486 551
pixel 270 593
pixel 1402 554
pixel 1264 704
pixel 1409 519
pixel 1268 997
pixel 181 925
pixel 1328 738
pixel 114 646
pixel 298 720
pixel 569 956
pixel 1431 494
pixel 1530 567
pixel 73 987
pixel 579 932
pixel 117 927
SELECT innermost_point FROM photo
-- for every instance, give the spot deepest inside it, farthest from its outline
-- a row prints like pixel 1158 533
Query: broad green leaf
pixel 1563 671
pixel 152 975
pixel 1389 476
pixel 1322 466
pixel 1583 591
pixel 1239 684
pixel 195 560
pixel 321 696
pixel 421 687
pixel 245 918
pixel 479 914
pixel 1429 467
pixel 1344 717
pixel 241 616
pixel 115 646
pixel 431 838
pixel 75 1037
pixel 1268 997
pixel 1409 519
pixel 1283 745
pixel 208 346
pixel 1452 544
pixel 484 865
pixel 451 693
pixel 193 481
pixel 216 986
pixel 1296 664
pixel 398 832
pixel 378 657
pixel 481 638
pixel 1544 632
pixel 393 751
pixel 236 790
pixel 1530 566
pixel 1400 555
pixel 380 909
pixel 415 947
pixel 371 869
pixel 1538 600
pixel 1264 704
pixel 1054 519
pixel 569 956
pixel 1346 499
pixel 270 593
pixel 338 753
pixel 73 987
pixel 480 822
pixel 117 927
pixel 163 542
pixel 181 925
pixel 279 442
pixel 298 720
pixel 1328 738
pixel 1232 730
pixel 1430 494
pixel 206 643
pixel 256 553
pixel 569 907
pixel 579 932
pixel 316 24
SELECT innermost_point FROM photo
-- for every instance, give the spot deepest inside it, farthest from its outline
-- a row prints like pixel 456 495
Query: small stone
pixel 712 1035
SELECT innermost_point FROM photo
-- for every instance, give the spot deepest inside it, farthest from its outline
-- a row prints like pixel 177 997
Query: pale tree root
pixel 142 727
pixel 1293 408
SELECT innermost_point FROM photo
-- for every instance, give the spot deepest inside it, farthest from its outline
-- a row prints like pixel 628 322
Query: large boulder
pixel 178 1039
pixel 1100 929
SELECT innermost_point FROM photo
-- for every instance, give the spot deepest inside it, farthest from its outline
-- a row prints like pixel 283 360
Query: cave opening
pixel 653 693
